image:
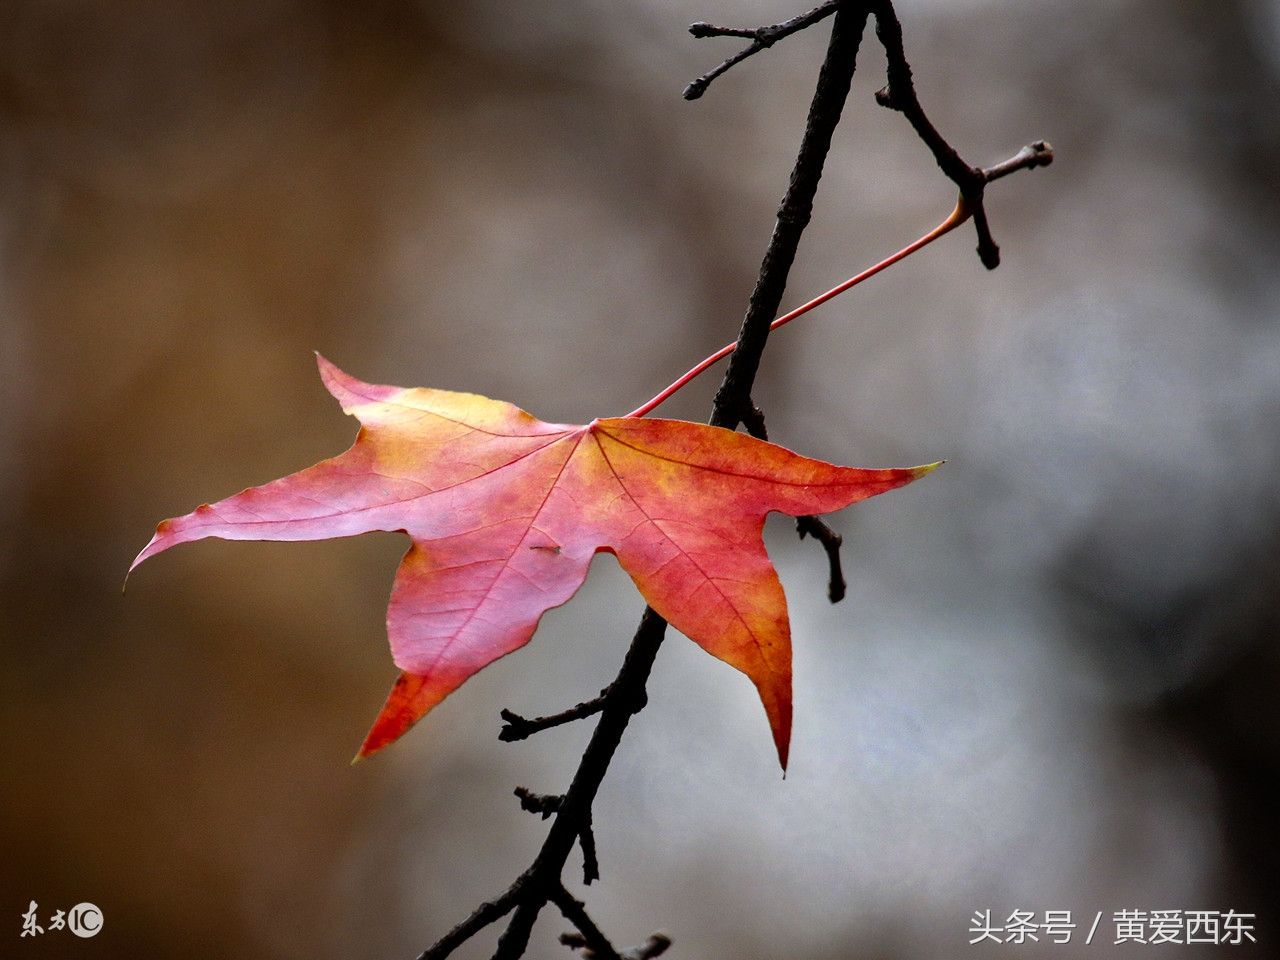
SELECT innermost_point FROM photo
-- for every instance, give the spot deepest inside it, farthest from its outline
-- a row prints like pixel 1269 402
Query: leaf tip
pixel 329 372
pixel 918 472
pixel 148 551
pixel 781 725
pixel 349 391
pixel 412 695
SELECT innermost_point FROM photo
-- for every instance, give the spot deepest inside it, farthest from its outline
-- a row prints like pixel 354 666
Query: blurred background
pixel 1053 683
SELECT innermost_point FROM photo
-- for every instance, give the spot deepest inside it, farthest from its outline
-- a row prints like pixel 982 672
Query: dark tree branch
pixel 733 400
pixel 587 841
pixel 753 420
pixel 541 883
pixel 589 939
pixel 484 915
pixel 831 541
pixel 1037 154
pixel 900 95
pixel 545 806
pixel 519 728
pixel 760 37
pixel 655 946
pixel 626 697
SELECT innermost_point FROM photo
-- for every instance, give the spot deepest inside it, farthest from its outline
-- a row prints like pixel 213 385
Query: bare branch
pixel 484 915
pixel 587 841
pixel 1038 154
pixel 733 399
pixel 541 883
pixel 760 37
pixel 753 420
pixel 520 728
pixel 900 95
pixel 655 946
pixel 831 541
pixel 593 943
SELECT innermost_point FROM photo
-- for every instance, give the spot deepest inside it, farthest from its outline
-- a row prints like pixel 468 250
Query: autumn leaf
pixel 506 512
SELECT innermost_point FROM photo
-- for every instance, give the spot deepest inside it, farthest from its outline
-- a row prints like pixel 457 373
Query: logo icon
pixel 85 920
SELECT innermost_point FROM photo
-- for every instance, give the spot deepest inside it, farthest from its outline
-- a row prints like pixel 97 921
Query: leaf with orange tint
pixel 506 512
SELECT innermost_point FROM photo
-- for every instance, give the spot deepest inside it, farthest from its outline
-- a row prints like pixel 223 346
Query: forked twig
pixel 898 94
pixel 761 38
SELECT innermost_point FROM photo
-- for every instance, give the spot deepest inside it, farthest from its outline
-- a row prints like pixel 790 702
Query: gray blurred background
pixel 1053 684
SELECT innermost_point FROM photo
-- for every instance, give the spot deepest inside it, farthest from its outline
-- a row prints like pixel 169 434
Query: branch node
pixel 515 727
pixel 541 803
pixel 639 701
pixel 752 418
pixel 589 938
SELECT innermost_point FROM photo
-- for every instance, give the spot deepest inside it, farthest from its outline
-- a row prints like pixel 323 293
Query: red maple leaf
pixel 506 512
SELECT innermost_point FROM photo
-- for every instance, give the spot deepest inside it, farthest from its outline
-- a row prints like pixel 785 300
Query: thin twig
pixel 831 541
pixel 900 95
pixel 1038 154
pixel 587 841
pixel 753 420
pixel 596 944
pixel 539 803
pixel 760 37
pixel 810 525
pixel 519 728
pixel 483 915
pixel 626 696
pixel 655 946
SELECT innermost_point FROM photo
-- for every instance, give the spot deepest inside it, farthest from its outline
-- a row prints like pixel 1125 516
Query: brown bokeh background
pixel 1053 684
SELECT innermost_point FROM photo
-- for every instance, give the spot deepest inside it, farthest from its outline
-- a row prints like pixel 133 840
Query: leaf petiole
pixel 963 211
